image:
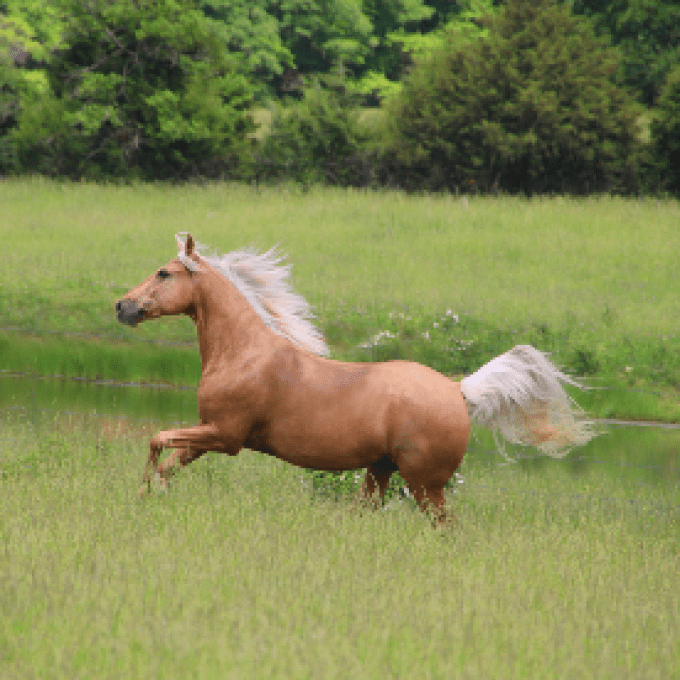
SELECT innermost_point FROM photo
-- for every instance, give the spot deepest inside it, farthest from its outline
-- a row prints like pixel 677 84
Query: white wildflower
pixel 376 339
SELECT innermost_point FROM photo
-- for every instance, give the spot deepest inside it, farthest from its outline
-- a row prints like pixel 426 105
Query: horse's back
pixel 391 384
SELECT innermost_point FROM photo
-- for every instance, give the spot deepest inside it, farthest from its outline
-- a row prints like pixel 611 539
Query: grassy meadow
pixel 242 570
pixel 455 281
pixel 251 568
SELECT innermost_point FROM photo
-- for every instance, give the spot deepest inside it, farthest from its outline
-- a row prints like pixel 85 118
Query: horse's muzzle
pixel 129 312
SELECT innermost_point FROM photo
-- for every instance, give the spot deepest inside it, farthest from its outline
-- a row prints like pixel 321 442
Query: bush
pixel 528 107
pixel 136 89
pixel 316 140
pixel 666 133
pixel 9 106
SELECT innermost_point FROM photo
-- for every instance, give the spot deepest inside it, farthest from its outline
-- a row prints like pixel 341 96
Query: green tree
pixel 9 95
pixel 140 89
pixel 253 36
pixel 321 34
pixel 27 33
pixel 647 32
pixel 529 107
pixel 279 42
pixel 392 21
pixel 317 139
pixel 666 132
pixel 9 108
pixel 407 31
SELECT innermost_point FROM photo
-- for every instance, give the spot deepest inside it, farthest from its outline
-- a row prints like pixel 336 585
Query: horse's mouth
pixel 129 313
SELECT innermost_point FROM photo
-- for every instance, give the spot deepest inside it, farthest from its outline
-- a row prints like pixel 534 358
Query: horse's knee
pixel 179 459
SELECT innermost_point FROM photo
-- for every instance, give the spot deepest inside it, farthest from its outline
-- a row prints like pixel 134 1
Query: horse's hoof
pixel 160 483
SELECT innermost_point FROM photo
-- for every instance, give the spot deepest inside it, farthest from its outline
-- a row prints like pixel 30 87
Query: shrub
pixel 318 139
pixel 666 132
pixel 528 107
pixel 136 89
pixel 9 105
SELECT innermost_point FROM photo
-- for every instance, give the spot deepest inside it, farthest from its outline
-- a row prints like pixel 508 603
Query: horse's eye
pixel 163 273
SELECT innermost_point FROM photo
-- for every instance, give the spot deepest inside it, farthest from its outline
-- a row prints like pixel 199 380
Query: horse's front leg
pixel 151 465
pixel 190 442
pixel 174 463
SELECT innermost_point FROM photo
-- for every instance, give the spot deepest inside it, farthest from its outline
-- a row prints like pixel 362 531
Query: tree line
pixel 528 96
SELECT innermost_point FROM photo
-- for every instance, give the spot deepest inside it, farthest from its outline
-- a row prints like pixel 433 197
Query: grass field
pixel 250 568
pixel 593 280
pixel 241 571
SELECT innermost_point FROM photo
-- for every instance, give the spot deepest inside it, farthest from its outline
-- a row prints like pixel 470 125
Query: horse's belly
pixel 334 439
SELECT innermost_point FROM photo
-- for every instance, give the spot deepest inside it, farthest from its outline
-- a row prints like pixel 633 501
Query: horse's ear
pixel 189 245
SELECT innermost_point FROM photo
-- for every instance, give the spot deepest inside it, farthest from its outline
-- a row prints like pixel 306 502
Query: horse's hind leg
pixel 377 476
pixel 432 501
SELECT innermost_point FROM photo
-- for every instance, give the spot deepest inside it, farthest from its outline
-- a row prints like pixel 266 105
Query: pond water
pixel 168 405
pixel 646 454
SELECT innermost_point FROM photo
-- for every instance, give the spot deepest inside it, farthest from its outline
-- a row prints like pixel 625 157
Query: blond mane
pixel 263 281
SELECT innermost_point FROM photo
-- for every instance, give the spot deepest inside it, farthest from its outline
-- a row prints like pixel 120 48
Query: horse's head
pixel 168 291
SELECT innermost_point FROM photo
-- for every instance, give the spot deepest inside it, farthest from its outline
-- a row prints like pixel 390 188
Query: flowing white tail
pixel 519 396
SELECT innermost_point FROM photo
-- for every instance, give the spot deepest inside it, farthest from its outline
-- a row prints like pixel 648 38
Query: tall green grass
pixel 604 262
pixel 593 280
pixel 49 355
pixel 241 570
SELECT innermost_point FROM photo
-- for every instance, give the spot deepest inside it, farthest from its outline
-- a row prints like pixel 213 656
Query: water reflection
pixel 49 395
pixel 643 454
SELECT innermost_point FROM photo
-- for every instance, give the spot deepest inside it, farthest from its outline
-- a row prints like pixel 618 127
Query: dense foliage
pixel 318 140
pixel 529 107
pixel 135 90
pixel 512 95
pixel 279 42
pixel 647 33
pixel 666 133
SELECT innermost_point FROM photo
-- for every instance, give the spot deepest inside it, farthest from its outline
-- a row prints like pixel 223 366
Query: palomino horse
pixel 265 387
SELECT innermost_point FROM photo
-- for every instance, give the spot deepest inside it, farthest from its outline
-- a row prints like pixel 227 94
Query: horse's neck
pixel 226 323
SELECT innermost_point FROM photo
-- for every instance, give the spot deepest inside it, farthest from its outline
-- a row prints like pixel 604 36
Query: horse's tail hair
pixel 519 396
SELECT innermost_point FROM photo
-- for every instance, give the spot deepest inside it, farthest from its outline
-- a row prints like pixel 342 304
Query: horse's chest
pixel 235 404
